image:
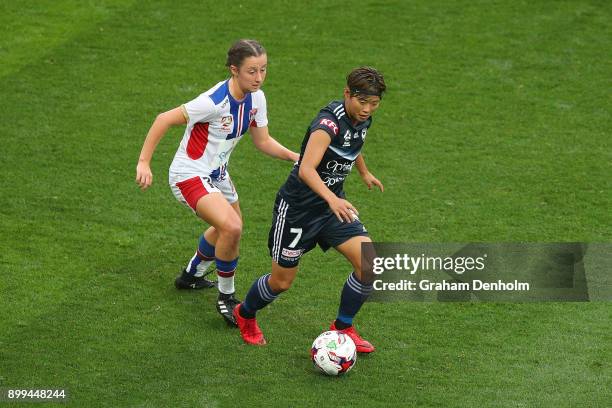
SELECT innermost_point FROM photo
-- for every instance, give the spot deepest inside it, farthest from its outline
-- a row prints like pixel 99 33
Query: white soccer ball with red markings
pixel 333 353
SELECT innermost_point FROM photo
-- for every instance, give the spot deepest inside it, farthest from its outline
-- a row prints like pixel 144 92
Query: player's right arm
pixel 163 121
pixel 315 149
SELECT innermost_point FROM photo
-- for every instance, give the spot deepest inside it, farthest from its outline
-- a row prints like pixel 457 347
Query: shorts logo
pixel 330 124
pixel 291 253
pixel 226 123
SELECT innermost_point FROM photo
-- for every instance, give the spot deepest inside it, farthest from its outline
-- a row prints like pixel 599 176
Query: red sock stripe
pixel 224 274
pixel 204 257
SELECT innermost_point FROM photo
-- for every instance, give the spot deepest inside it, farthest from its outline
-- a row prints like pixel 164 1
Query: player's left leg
pixel 354 293
pixel 227 302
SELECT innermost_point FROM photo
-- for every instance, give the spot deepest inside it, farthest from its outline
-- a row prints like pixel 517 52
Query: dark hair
pixel 242 49
pixel 366 81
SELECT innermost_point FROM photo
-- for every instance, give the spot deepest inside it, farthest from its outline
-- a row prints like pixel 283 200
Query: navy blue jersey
pixel 339 158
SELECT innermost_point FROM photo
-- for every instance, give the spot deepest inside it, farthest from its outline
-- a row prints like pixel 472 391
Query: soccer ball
pixel 333 353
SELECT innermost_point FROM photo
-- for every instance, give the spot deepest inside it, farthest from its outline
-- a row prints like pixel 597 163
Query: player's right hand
pixel 144 176
pixel 344 210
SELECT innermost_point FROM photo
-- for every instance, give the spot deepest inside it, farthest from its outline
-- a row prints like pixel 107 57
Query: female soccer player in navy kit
pixel 216 121
pixel 311 207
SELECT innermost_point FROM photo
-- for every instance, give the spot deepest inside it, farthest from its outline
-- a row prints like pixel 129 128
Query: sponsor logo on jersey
pixel 336 173
pixel 340 168
pixel 226 123
pixel 330 124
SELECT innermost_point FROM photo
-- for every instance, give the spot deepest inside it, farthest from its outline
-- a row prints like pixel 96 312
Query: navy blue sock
pixel 260 295
pixel 354 294
pixel 206 250
pixel 225 275
pixel 205 253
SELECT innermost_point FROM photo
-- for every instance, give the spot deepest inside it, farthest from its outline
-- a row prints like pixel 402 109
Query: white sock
pixel 202 267
pixel 226 285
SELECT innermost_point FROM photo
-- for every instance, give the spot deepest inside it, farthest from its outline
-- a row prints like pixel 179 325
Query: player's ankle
pixel 225 296
pixel 246 313
pixel 340 325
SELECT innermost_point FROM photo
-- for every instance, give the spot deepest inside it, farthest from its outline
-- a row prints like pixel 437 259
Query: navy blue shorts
pixel 296 231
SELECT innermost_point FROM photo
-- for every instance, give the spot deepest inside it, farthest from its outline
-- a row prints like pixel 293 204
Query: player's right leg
pixel 286 247
pixel 263 292
pixel 194 274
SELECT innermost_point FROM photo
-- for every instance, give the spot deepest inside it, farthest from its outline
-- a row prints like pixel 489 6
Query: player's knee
pixel 280 282
pixel 232 227
pixel 357 267
pixel 280 285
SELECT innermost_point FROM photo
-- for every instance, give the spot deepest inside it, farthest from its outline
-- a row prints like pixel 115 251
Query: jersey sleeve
pixel 201 109
pixel 328 122
pixel 260 117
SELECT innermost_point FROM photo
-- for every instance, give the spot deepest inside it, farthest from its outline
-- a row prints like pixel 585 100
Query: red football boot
pixel 363 346
pixel 249 330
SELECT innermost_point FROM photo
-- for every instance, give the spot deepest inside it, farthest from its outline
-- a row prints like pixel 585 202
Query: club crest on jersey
pixel 252 114
pixel 226 123
pixel 330 124
pixel 347 139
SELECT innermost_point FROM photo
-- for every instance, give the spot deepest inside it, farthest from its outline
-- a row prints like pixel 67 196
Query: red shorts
pixel 189 191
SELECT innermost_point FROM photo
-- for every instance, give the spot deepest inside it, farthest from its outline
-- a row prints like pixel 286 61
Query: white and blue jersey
pixel 215 124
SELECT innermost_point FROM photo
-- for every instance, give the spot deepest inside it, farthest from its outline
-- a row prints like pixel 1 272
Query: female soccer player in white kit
pixel 216 121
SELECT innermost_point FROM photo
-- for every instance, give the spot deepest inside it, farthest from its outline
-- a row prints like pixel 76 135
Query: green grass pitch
pixel 496 127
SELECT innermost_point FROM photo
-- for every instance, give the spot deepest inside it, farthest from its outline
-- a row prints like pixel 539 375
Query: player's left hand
pixel 369 180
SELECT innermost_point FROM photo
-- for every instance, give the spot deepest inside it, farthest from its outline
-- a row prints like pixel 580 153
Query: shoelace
pixel 233 302
pixel 251 327
pixel 351 332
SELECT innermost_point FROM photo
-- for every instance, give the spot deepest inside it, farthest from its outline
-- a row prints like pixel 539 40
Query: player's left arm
pixel 270 146
pixel 367 177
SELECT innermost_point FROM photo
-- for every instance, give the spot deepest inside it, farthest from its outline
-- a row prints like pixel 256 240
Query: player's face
pixel 360 107
pixel 251 73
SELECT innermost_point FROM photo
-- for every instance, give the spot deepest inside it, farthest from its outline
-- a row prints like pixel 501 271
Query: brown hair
pixel 366 81
pixel 242 49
